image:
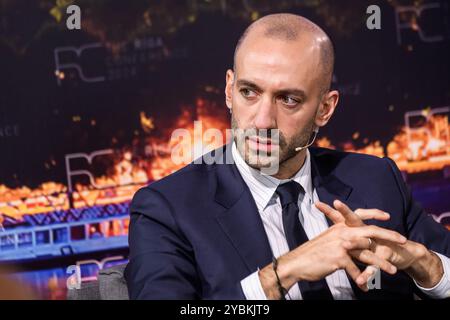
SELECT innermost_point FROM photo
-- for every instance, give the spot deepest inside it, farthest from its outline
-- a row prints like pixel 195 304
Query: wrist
pixel 274 282
pixel 286 272
pixel 269 283
pixel 427 269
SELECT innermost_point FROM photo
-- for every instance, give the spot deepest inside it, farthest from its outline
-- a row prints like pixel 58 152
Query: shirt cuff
pixel 442 289
pixel 252 288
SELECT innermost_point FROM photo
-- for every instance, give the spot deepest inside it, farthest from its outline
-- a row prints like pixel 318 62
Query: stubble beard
pixel 286 148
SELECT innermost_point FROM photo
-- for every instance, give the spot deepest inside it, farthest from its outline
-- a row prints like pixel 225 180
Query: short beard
pixel 286 148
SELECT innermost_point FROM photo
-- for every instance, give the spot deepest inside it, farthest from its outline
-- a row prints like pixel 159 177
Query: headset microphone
pixel 316 131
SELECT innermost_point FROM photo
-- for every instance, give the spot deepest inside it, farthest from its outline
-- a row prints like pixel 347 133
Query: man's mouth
pixel 261 144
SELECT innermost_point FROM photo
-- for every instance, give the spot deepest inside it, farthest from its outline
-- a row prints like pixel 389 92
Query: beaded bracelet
pixel 281 289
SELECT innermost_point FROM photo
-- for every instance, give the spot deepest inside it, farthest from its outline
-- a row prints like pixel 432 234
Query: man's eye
pixel 247 93
pixel 289 101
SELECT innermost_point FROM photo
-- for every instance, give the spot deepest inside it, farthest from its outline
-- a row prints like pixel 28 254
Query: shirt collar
pixel 263 186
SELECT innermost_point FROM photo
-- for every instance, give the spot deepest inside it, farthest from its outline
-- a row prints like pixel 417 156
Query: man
pixel 229 231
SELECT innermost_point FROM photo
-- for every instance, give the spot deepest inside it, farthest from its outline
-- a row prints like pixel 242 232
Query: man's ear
pixel 229 88
pixel 327 107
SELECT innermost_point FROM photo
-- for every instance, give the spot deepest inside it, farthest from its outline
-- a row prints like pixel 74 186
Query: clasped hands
pixel 383 248
pixel 350 239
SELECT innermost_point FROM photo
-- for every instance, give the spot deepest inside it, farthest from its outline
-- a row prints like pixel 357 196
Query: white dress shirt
pixel 262 188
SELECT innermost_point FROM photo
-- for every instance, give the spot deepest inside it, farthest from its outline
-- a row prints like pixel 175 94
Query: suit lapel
pixel 327 185
pixel 240 218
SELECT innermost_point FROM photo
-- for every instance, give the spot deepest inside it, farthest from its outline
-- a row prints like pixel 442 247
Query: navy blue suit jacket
pixel 197 233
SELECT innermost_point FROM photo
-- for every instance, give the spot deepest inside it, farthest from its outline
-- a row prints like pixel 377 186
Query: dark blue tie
pixel 295 236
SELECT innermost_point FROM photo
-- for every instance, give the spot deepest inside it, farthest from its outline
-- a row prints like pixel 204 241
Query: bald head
pixel 289 28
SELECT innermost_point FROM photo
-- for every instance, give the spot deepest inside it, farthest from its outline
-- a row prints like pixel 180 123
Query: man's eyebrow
pixel 246 83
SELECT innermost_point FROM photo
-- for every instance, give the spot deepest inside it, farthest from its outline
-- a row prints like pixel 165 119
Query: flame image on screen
pixel 423 144
pixel 129 171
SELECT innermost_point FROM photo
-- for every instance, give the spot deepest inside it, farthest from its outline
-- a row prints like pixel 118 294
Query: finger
pixel 359 243
pixel 364 277
pixel 354 272
pixel 351 219
pixel 379 233
pixel 366 214
pixel 331 213
pixel 370 258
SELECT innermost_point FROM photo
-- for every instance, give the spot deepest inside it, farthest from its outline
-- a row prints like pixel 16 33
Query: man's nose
pixel 265 117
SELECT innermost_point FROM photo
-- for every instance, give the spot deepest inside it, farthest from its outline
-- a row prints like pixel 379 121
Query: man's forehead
pixel 257 44
pixel 275 57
